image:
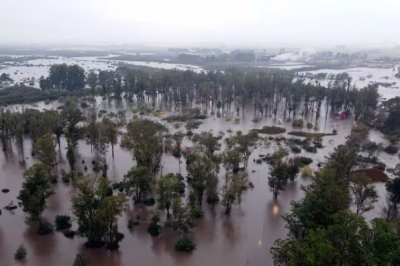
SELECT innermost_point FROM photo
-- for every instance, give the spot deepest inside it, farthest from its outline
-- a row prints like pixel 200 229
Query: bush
pixel 21 253
pixel 5 190
pixel 197 212
pixel 80 260
pixel 251 185
pixel 212 200
pixel 70 233
pixel 185 244
pixel 154 229
pixel 304 160
pixel 306 171
pixel 149 202
pixel 45 228
pixel 189 133
pixel 130 223
pixel 271 130
pixel 296 149
pixel 297 123
pixel 176 153
pixel 310 125
pixel 62 222
pixel 380 166
pixel 256 119
pixel 193 124
pixel 391 149
pixel 84 105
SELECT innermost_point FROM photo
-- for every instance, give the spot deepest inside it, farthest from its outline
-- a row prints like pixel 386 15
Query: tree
pixel 109 130
pixel 230 194
pixel 96 212
pixel 46 154
pixel 393 189
pixel 230 160
pixel 147 143
pixel 92 80
pixel 200 170
pixel 111 207
pixel 36 189
pixel 181 220
pixel 178 137
pixel 208 143
pixel 138 182
pixel 246 144
pixel 364 193
pixel 167 188
pixel 278 177
pixel 80 260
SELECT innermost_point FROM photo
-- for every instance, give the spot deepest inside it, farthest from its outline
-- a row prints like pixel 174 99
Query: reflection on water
pixel 243 238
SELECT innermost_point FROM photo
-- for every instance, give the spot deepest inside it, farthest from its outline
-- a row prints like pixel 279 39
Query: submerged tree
pixel 138 183
pixel 168 190
pixel 36 189
pixel 364 193
pixel 46 154
pixel 96 212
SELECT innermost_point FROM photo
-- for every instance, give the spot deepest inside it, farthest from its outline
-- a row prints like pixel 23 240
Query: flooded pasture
pixel 243 238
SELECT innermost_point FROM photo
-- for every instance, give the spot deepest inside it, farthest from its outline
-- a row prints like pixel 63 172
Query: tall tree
pixel 364 193
pixel 138 183
pixel 46 154
pixel 168 190
pixel 36 189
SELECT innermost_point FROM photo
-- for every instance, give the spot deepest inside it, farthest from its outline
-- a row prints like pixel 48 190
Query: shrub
pixel 21 253
pixel 45 228
pixel 84 105
pixel 391 149
pixel 5 190
pixel 154 229
pixel 189 133
pixel 306 171
pixel 185 244
pixel 271 130
pixel 256 119
pixel 309 135
pixel 196 212
pixel 80 260
pixel 304 160
pixel 70 233
pixel 380 166
pixel 297 123
pixel 192 124
pixel 296 149
pixel 237 120
pixel 309 125
pixel 176 153
pixel 212 200
pixel 190 158
pixel 251 185
pixel 149 202
pixel 130 223
pixel 62 222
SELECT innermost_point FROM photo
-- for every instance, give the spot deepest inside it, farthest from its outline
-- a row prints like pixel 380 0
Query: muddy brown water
pixel 243 238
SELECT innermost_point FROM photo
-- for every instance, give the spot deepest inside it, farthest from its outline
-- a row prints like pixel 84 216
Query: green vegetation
pixel 271 130
pixel 22 94
pixel 21 253
pixel 309 135
pixel 62 222
pixel 185 244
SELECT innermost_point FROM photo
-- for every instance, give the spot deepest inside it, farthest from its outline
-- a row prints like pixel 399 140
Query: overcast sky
pixel 229 22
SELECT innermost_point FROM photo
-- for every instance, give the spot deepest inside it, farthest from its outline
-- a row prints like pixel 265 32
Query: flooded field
pixel 21 71
pixel 362 76
pixel 243 238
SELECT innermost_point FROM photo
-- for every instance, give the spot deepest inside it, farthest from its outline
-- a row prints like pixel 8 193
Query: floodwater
pixel 371 75
pixel 243 238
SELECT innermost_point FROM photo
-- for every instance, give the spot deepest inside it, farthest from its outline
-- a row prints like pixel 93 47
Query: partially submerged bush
pixel 297 123
pixel 70 233
pixel 185 244
pixel 309 125
pixel 306 171
pixel 21 253
pixel 271 130
pixel 62 222
pixel 391 149
pixel 196 212
pixel 304 160
pixel 45 228
pixel 80 260
pixel 296 149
